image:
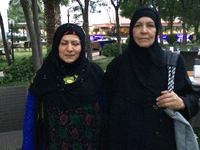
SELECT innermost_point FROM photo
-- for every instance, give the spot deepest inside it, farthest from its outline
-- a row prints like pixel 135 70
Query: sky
pixel 3 11
pixel 95 18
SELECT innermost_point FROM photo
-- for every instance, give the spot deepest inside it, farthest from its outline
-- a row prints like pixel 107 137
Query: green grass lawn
pixel 104 62
pixel 18 54
pixel 197 132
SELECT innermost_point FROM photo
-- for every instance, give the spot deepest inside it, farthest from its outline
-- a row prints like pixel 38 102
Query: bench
pixel 12 108
pixel 189 57
pixel 27 45
pixel 2 52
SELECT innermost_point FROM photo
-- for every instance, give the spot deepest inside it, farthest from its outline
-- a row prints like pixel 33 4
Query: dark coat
pixel 123 111
pixel 133 81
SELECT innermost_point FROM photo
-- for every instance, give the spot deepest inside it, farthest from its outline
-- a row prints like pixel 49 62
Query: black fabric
pixel 48 84
pixel 154 51
pixel 135 79
pixel 145 12
pixel 171 58
pixel 50 89
pixel 136 126
pixel 141 65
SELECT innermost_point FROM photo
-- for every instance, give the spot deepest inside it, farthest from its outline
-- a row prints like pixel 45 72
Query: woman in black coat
pixel 63 102
pixel 135 92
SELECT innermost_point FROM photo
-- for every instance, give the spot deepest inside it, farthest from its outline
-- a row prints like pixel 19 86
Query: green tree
pixel 35 12
pixel 194 19
pixel 57 10
pixel 185 8
pixel 52 17
pixel 37 29
pixel 19 18
pixel 158 6
pixel 170 12
pixel 33 34
pixel 49 19
pixel 128 7
pixel 16 8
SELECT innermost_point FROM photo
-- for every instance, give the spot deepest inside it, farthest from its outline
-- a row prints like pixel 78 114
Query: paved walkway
pixel 11 140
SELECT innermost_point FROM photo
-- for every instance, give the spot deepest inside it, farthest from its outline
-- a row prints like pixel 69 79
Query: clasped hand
pixel 170 100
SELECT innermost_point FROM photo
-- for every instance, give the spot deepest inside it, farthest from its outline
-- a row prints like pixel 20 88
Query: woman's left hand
pixel 170 100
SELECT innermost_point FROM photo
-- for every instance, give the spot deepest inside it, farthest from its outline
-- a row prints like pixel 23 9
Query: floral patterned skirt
pixel 74 129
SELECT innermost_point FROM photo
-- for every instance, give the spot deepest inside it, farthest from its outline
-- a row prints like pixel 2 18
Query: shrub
pixel 19 38
pixel 19 71
pixel 48 50
pixel 191 38
pixel 124 46
pixel 127 40
pixel 198 38
pixel 172 38
pixel 107 37
pixel 111 50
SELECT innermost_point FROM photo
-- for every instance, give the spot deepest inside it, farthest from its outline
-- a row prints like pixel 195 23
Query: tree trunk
pixel 88 46
pixel 57 15
pixel 86 28
pixel 184 33
pixel 34 44
pixel 49 15
pixel 117 25
pixel 196 27
pixel 160 29
pixel 140 3
pixel 171 24
pixel 118 33
pixel 37 29
pixel 7 53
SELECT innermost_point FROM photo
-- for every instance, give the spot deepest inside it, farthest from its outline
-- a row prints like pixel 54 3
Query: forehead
pixel 145 19
pixel 70 37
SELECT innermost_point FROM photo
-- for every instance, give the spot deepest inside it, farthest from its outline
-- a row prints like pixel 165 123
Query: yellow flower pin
pixel 70 79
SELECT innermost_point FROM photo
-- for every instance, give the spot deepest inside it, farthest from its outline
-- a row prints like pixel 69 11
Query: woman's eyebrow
pixel 145 22
pixel 71 40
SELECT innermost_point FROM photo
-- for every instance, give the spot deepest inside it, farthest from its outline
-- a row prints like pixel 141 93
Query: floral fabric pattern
pixel 74 129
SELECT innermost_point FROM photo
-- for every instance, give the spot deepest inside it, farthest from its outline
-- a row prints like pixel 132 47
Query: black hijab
pixel 48 85
pixel 141 69
pixel 153 49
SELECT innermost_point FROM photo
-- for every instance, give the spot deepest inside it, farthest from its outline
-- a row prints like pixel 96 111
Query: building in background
pixel 108 28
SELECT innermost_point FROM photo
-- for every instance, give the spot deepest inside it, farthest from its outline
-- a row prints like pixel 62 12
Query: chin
pixel 69 61
pixel 144 45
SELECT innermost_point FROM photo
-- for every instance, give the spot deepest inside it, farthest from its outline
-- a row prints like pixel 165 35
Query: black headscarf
pixel 48 85
pixel 141 66
pixel 146 12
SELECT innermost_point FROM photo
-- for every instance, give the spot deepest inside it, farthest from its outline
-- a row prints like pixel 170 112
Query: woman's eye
pixel 64 43
pixel 137 25
pixel 76 44
pixel 70 43
pixel 151 25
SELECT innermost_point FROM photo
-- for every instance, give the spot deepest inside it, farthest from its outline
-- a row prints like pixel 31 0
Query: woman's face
pixel 69 48
pixel 144 32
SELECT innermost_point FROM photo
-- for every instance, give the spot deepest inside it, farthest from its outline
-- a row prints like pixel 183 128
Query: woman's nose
pixel 144 29
pixel 69 47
